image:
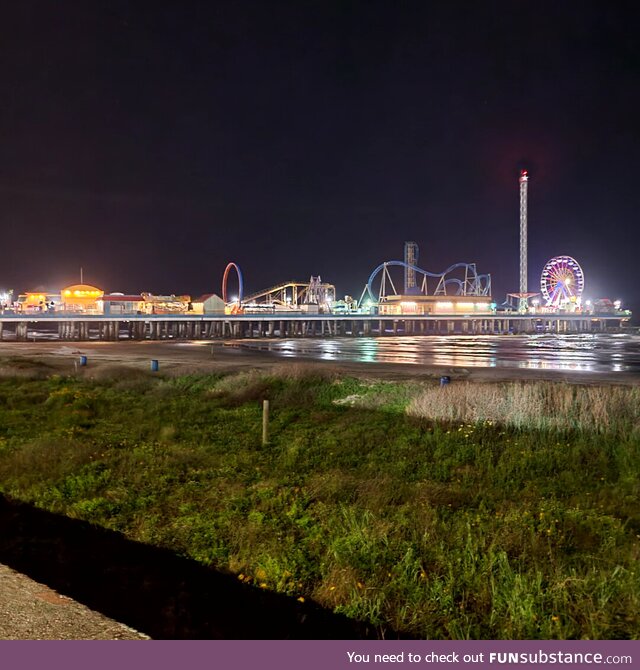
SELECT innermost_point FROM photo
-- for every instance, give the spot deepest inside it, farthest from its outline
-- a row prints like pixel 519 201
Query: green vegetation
pixel 362 501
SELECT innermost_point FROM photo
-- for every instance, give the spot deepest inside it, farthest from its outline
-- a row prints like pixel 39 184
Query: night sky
pixel 153 142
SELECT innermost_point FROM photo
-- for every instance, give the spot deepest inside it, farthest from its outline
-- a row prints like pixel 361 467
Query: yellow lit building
pixel 37 301
pixel 435 304
pixel 80 298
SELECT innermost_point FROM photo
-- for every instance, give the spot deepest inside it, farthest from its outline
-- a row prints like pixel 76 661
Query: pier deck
pixel 23 327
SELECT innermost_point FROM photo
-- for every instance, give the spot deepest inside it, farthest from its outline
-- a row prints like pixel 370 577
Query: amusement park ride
pixel 460 283
pixel 294 294
pixel 459 289
pixel 286 296
pixel 470 283
pixel 466 291
pixel 562 282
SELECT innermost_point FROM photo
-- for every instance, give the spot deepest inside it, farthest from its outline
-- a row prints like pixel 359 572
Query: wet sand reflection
pixel 579 352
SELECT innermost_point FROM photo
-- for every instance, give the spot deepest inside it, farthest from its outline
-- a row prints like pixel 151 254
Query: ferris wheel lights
pixel 562 282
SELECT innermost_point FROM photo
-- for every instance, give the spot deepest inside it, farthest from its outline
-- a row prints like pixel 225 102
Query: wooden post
pixel 265 422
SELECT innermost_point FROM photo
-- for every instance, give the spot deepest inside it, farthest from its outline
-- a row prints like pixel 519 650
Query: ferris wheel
pixel 562 281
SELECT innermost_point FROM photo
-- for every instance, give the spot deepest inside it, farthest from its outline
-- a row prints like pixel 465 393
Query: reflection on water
pixel 589 352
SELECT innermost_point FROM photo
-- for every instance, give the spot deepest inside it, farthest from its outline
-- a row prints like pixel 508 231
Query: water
pixel 589 352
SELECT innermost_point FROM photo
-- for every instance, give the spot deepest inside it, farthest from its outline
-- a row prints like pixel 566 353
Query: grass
pixel 485 512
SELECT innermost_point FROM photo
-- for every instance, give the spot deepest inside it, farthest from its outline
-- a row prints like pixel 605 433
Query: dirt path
pixel 32 611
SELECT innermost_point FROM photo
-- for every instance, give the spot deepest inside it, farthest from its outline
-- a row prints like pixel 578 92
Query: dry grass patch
pixel 304 371
pixel 25 368
pixel 534 405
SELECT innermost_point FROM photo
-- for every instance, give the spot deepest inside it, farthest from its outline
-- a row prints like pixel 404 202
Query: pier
pixel 82 327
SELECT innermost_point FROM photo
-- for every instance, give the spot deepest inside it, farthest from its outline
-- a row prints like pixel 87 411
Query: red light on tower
pixel 524 175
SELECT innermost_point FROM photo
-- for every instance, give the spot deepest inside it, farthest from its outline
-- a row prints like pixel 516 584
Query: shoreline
pixel 226 357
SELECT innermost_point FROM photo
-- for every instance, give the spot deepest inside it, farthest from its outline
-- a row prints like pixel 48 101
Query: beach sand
pixel 179 357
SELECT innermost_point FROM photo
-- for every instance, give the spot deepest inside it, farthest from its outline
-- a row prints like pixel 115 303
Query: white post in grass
pixel 265 422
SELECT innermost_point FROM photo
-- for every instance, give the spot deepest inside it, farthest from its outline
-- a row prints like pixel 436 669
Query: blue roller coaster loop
pixel 476 280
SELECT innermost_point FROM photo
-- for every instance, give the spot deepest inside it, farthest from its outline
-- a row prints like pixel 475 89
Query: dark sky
pixel 153 142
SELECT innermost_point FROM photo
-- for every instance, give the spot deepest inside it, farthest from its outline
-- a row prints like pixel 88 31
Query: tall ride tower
pixel 410 258
pixel 524 182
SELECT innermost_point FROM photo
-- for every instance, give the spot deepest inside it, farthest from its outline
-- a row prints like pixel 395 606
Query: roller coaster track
pixel 472 284
pixel 295 290
pixel 272 291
